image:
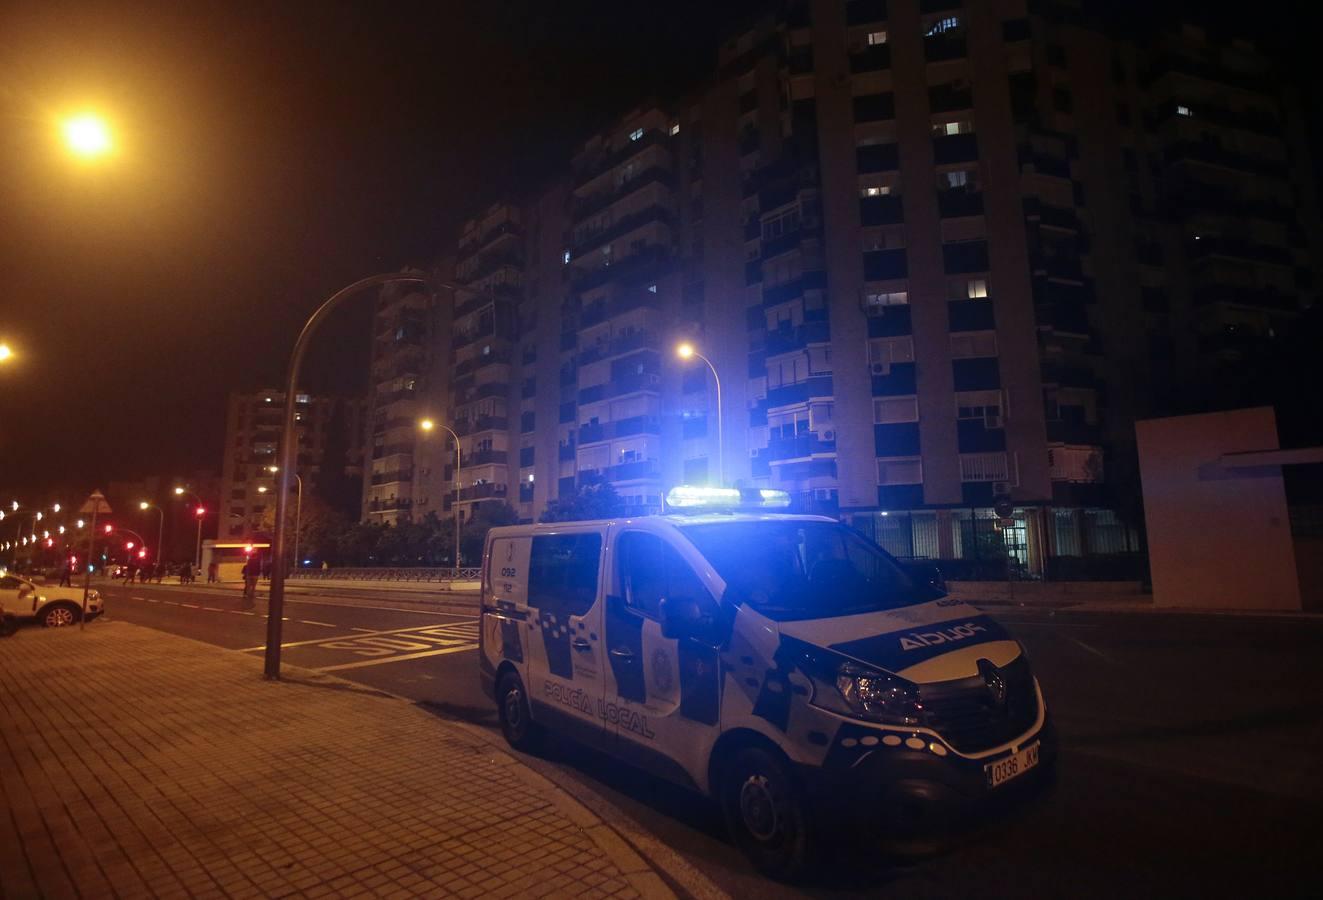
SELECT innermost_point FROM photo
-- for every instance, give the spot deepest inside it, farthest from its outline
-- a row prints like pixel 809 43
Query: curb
pixel 1147 609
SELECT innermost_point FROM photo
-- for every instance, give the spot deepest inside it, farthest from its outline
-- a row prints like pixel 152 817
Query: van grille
pixel 966 715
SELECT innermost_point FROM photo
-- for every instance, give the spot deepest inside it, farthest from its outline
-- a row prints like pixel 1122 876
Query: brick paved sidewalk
pixel 136 763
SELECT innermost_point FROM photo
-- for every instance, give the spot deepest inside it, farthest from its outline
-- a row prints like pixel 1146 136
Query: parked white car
pixel 53 607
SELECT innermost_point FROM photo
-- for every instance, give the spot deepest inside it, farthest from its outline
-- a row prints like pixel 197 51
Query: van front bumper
pixel 900 791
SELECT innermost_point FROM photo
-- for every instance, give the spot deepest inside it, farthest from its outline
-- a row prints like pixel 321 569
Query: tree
pixel 593 501
pixel 485 517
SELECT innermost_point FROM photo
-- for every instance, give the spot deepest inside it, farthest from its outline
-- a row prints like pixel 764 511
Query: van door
pixel 565 684
pixel 505 619
pixel 662 695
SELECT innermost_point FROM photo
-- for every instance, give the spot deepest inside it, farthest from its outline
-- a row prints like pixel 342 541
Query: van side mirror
pixel 926 575
pixel 680 617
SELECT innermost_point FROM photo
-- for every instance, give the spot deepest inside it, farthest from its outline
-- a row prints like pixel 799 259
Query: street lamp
pixel 686 351
pixel 298 509
pixel 428 426
pixel 199 511
pixel 289 451
pixel 87 135
pixel 6 354
pixel 160 525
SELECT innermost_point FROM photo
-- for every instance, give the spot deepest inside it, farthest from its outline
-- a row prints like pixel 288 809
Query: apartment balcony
pixel 484 458
pixel 392 450
pixel 899 380
pixel 956 203
pixel 1231 248
pixel 469 366
pixel 945 46
pixel 801 446
pixel 482 492
pixel 565 452
pixel 390 504
pixel 956 148
pixel 583 207
pixel 478 239
pixel 818 386
pixel 511 255
pixel 480 424
pixel 591 433
pixel 984 467
pixel 885 210
pixel 402 475
pixel 652 138
pixel 641 266
pixel 634 383
pixel 640 470
pixel 501 330
pixel 587 242
pixel 787 339
pixel 970 315
pixel 1211 153
pixel 636 425
pixel 480 392
pixel 871 59
pixel 1266 298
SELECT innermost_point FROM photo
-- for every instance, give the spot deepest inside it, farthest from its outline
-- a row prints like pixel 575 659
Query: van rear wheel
pixel 766 814
pixel 520 731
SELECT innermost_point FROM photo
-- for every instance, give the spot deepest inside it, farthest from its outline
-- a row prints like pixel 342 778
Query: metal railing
pixel 466 573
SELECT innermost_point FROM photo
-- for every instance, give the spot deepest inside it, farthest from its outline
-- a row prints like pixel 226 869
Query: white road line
pixel 190 606
pixel 421 612
pixel 323 624
pixel 429 628
pixel 169 603
pixel 390 659
pixel 364 630
pixel 137 598
pixel 214 609
pixel 150 600
pixel 1095 651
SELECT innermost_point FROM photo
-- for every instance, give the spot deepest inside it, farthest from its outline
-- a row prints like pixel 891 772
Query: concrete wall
pixel 1218 536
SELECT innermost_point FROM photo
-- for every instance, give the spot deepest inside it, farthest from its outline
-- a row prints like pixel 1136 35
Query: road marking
pixel 421 612
pixel 390 659
pixel 443 627
pixel 169 603
pixel 1095 651
pixel 323 624
pixel 190 606
pixel 214 609
pixel 150 600
pixel 137 598
pixel 364 630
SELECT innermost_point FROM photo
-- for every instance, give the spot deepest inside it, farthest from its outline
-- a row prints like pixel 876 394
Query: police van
pixel 782 664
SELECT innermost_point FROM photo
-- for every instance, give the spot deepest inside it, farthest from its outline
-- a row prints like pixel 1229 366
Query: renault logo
pixel 992 677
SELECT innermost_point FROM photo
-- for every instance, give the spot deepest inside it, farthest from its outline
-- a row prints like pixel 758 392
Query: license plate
pixel 1003 770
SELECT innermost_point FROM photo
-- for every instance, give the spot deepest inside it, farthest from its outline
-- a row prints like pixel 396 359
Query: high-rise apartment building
pixel 330 433
pixel 940 256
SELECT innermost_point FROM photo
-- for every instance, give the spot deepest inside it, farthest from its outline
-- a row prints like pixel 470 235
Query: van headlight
pixel 869 694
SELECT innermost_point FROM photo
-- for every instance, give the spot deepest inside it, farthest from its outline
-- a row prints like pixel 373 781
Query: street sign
pixel 96 504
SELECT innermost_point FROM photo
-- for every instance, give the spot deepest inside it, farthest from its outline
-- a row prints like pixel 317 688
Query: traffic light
pixel 142 554
pixel 109 529
pixel 200 511
pixel 128 545
pixel 248 551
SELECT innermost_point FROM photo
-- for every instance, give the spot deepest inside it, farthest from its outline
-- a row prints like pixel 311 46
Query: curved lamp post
pixel 160 525
pixel 687 351
pixel 427 425
pixel 289 452
pixel 298 510
pixel 200 513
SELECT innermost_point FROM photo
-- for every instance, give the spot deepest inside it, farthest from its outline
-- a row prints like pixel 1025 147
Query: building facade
pixel 940 255
pixel 327 427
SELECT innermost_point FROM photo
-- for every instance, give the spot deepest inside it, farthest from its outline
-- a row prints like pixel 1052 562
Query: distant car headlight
pixel 866 693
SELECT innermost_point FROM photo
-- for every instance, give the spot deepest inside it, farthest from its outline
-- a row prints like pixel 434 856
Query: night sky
pixel 267 155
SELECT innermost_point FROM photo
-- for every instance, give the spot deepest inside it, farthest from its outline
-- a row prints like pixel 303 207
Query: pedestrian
pixel 183 573
pixel 66 573
pixel 129 572
pixel 252 568
pixel 159 572
pixel 213 572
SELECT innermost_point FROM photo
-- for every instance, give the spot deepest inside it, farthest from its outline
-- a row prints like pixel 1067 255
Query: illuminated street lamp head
pixel 87 136
pixel 5 353
pixel 426 424
pixel 143 504
pixel 273 468
pixel 685 350
pixel 179 492
pixel 80 523
pixel 55 508
pixel 14 506
pixel 261 489
pixel 39 516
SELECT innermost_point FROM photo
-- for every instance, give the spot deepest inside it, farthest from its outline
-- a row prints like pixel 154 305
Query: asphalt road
pixel 1192 748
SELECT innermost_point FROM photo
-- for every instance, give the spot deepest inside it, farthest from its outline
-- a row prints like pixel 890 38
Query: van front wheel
pixel 520 731
pixel 765 813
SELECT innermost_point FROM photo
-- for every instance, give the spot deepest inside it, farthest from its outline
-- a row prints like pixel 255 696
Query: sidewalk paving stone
pixel 134 762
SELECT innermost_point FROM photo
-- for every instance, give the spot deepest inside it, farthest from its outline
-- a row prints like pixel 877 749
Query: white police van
pixel 783 664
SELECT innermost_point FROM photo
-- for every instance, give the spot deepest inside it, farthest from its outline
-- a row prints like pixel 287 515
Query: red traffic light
pixel 50 542
pixel 142 554
pixel 128 545
pixel 109 529
pixel 200 511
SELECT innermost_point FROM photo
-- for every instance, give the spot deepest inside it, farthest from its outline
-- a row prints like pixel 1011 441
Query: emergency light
pixel 691 497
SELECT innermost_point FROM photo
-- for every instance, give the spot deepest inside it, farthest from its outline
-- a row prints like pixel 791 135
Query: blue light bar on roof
pixel 687 496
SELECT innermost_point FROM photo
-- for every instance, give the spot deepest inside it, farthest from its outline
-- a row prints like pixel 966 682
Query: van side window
pixel 10 583
pixel 562 572
pixel 651 569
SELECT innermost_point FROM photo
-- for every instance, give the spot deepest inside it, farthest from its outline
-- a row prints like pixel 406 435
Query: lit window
pixel 943 25
pixel 956 179
pixel 977 289
pixel 636 134
pixel 886 298
pixel 876 37
pixel 880 191
pixel 960 126
pixel 1183 111
pixel 652 288
pixel 565 257
pixel 675 129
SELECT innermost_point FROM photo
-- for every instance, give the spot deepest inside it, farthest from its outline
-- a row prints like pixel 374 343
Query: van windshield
pixel 803 570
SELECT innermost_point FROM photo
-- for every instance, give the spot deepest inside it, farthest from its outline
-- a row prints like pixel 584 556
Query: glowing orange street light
pixel 87 135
